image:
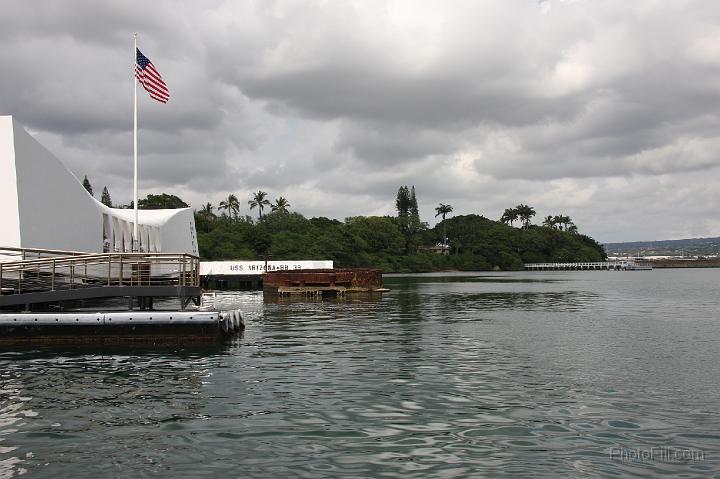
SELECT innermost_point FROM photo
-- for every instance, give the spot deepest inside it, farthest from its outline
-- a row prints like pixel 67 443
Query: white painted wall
pixel 244 268
pixel 43 205
pixel 56 212
pixel 178 235
pixel 176 227
pixel 10 226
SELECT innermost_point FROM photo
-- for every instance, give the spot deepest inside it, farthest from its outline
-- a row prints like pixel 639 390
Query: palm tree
pixel 224 206
pixel 525 212
pixel 260 201
pixel 231 205
pixel 510 215
pixel 207 210
pixel 443 210
pixel 550 221
pixel 564 221
pixel 281 205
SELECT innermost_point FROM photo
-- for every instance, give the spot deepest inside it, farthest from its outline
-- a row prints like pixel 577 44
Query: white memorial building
pixel 43 205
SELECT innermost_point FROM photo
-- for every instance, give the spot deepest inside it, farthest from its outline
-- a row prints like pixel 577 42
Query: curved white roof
pixel 46 206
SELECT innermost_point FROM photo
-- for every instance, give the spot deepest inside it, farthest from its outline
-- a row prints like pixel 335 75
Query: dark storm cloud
pixel 392 145
pixel 442 103
pixel 589 100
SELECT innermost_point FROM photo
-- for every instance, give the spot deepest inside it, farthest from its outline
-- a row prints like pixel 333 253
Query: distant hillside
pixel 392 244
pixel 688 247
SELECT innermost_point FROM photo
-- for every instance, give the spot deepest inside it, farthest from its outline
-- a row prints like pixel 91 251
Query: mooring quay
pixel 618 265
pixel 46 294
pixel 37 278
pixel 111 327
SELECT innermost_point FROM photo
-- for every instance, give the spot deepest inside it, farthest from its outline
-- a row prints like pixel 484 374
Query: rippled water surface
pixel 567 374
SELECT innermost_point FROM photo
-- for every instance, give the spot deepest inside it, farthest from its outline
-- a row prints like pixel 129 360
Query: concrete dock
pixel 119 326
pixel 619 265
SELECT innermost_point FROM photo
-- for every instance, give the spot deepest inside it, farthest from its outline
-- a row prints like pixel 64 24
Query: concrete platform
pixel 113 327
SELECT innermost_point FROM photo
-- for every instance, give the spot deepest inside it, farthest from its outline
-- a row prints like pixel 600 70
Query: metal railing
pixel 8 253
pixel 57 270
pixel 583 265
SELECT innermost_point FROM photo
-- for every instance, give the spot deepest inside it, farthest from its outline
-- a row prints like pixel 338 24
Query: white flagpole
pixel 135 162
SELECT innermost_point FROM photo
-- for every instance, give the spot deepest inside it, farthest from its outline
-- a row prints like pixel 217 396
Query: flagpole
pixel 135 162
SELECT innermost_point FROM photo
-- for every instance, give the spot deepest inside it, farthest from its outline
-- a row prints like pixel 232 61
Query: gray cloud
pixel 573 106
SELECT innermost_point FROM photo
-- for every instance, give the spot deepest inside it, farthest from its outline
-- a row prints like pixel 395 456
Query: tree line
pixel 231 206
pixel 525 213
pixel 150 202
pixel 392 243
pixel 105 196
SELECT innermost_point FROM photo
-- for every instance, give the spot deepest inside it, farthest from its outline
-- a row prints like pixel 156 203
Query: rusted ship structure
pixel 323 282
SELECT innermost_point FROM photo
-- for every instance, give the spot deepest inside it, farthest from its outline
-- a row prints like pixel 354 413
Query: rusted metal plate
pixel 358 279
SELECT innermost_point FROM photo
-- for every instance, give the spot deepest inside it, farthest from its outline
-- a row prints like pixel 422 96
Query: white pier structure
pixel 248 274
pixel 44 206
pixel 616 265
pixel 257 268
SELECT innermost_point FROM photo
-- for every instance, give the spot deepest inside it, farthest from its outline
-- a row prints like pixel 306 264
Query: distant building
pixel 437 249
pixel 43 205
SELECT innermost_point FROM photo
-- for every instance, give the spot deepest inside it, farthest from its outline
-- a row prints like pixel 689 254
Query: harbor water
pixel 526 374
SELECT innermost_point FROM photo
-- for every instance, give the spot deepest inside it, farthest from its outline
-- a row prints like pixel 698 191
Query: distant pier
pixel 618 265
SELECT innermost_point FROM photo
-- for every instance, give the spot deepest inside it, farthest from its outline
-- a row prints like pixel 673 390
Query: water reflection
pixel 465 277
pixel 78 398
pixel 440 377
pixel 12 418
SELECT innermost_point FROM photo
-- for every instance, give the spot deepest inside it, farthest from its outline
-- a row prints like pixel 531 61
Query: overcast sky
pixel 607 111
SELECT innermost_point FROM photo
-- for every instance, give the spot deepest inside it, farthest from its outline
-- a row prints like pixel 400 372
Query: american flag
pixel 150 78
